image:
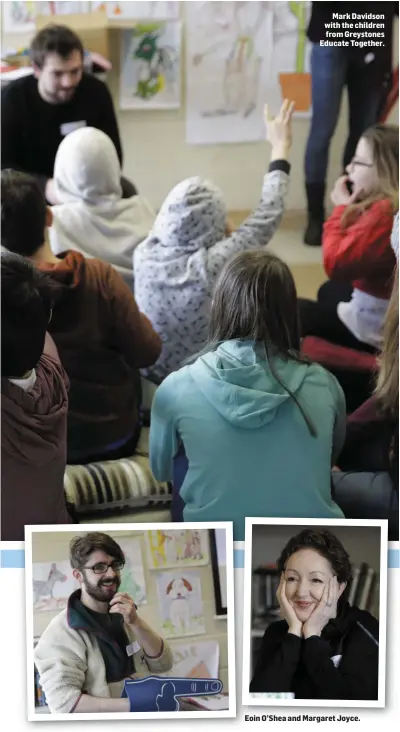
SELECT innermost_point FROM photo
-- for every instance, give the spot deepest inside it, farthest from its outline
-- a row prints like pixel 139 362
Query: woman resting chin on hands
pixel 323 648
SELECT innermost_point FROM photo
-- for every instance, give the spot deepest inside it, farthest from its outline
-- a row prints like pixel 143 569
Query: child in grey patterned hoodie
pixel 176 267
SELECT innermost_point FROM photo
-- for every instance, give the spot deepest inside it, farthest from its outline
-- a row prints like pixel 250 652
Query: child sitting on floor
pixel 260 426
pixel 351 306
pixel 92 217
pixel 176 267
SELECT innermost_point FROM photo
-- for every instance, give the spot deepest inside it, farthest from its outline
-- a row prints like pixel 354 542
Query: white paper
pixel 177 548
pixel 181 603
pixel 235 55
pixel 138 10
pixel 132 576
pixel 19 17
pixel 151 66
pixel 197 660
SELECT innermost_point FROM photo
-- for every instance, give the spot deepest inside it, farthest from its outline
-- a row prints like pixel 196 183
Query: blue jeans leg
pixel 328 78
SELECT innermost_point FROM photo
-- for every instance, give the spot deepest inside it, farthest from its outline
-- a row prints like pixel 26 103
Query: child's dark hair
pixel 23 213
pixel 26 303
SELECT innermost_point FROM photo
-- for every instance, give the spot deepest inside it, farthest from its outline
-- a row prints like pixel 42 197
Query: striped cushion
pixel 114 484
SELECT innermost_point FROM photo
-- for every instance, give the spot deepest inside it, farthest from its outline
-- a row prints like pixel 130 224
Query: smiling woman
pixel 323 648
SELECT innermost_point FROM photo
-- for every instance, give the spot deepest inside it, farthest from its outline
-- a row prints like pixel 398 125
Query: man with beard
pixel 38 111
pixel 99 640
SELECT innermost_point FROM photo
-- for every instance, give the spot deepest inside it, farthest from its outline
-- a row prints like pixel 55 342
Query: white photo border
pixel 252 701
pixel 142 527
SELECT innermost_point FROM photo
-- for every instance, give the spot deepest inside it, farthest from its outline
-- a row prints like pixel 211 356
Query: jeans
pixel 331 71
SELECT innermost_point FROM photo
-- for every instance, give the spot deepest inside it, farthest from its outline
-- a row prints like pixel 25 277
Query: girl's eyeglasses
pixel 361 163
pixel 102 567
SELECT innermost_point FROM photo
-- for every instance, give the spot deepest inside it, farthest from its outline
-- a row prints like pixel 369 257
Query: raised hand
pixel 279 128
pixel 324 611
pixel 287 610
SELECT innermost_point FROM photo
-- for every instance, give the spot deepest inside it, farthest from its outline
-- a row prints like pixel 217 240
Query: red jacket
pixel 361 253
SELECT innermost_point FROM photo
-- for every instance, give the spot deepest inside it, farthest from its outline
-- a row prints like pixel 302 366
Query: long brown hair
pixel 383 140
pixel 255 299
pixel 387 385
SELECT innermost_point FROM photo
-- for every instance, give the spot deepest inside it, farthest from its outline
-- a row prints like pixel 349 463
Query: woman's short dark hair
pixel 328 546
pixel 57 39
pixel 26 302
pixel 23 213
pixel 81 547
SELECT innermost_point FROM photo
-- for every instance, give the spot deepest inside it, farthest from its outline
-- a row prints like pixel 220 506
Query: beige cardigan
pixel 69 663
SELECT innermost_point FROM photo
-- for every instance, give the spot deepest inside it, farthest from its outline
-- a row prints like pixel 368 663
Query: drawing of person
pixel 242 65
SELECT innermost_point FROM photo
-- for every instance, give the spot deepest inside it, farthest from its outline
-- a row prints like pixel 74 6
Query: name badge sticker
pixel 133 648
pixel 69 127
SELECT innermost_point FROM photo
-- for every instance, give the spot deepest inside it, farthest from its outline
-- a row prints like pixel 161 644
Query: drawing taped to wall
pixel 177 548
pixel 53 583
pixel 19 17
pixel 228 47
pixel 132 576
pixel 239 56
pixel 139 10
pixel 151 66
pixel 181 603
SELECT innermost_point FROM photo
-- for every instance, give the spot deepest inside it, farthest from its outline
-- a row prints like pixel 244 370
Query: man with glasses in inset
pixel 90 648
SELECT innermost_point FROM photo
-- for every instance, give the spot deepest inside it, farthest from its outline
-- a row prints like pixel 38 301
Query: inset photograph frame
pixel 295 571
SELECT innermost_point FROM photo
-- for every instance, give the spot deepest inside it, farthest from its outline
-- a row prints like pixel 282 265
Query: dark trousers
pixel 332 71
pixel 319 318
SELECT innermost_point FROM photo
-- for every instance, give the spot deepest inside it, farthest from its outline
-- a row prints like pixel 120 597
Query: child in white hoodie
pixel 93 218
pixel 177 265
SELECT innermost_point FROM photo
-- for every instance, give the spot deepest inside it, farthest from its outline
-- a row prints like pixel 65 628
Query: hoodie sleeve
pixel 258 229
pixel 132 333
pixel 163 434
pixel 356 677
pixel 277 661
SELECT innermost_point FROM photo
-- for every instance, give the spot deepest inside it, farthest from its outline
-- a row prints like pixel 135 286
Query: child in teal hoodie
pixel 260 426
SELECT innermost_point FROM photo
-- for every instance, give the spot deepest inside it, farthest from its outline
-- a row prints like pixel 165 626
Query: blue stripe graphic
pixel 15 558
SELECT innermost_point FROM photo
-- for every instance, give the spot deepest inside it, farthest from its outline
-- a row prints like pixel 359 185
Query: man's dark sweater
pixel 32 129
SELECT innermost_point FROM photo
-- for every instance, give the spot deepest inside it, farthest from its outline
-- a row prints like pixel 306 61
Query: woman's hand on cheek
pixel 287 610
pixel 324 611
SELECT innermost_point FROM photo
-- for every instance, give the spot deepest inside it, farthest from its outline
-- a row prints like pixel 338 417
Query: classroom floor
pixel 305 262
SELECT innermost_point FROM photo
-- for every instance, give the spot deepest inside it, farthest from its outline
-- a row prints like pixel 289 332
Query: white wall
pixel 157 157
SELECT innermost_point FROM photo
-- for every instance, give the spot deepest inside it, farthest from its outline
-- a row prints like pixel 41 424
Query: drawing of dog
pixel 178 592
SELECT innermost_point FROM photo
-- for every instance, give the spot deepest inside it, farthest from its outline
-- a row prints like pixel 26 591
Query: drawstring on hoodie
pixel 311 427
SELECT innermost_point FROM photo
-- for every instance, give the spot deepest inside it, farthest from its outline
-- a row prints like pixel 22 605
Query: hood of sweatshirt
pixel 237 380
pixel 34 423
pixel 92 217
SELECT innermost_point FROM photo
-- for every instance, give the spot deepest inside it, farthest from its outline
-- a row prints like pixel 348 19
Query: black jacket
pixel 32 129
pixel 287 663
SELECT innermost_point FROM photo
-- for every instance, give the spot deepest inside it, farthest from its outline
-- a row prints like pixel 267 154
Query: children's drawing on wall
pixel 181 603
pixel 227 60
pixel 196 660
pixel 139 10
pixel 177 548
pixel 151 66
pixel 19 17
pixel 53 583
pixel 132 576
pixel 291 57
